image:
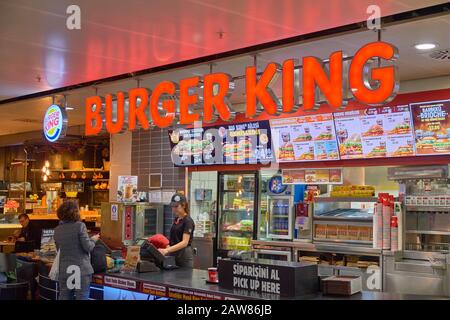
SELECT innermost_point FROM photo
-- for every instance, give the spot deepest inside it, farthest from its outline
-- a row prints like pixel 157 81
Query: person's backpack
pixel 98 258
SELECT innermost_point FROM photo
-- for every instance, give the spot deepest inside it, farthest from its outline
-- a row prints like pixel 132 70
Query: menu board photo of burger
pixel 348 131
pixel 308 138
pixel 375 132
pixel 431 127
pixel 247 142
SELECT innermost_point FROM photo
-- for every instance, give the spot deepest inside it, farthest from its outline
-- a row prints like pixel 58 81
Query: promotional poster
pixel 127 189
pixel 432 127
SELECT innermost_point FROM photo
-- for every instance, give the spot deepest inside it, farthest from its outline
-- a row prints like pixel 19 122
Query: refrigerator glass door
pixel 280 217
pixel 236 211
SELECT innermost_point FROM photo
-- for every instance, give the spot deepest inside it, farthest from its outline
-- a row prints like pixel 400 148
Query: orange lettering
pixel 137 112
pixel 259 92
pixel 386 83
pixel 186 99
pixel 290 85
pixel 110 125
pixel 93 120
pixel 313 72
pixel 162 89
pixel 219 99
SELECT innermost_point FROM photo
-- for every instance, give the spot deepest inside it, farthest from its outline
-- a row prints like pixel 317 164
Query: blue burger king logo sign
pixel 55 123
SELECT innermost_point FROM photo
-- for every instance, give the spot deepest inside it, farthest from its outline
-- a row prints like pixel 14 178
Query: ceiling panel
pixel 27 115
pixel 38 52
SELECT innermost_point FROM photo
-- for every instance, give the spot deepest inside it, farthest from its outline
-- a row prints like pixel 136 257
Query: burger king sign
pixel 55 123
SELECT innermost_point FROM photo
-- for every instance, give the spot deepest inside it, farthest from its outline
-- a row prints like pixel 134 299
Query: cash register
pixel 151 255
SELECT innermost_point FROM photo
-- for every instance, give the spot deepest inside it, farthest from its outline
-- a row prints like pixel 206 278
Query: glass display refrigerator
pixel 280 209
pixel 237 207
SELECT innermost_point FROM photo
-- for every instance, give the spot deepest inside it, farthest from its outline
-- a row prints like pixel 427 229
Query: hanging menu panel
pixel 240 143
pixel 375 133
pixel 309 138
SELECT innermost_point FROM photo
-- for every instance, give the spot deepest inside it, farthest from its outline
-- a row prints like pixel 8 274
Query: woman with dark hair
pixel 181 233
pixel 74 245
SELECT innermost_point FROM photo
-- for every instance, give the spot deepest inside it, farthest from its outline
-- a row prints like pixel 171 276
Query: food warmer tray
pixel 345 214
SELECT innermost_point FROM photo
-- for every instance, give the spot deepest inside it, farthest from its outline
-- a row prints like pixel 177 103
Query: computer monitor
pixel 149 251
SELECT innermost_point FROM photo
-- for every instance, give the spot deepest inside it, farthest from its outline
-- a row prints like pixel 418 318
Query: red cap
pixel 159 241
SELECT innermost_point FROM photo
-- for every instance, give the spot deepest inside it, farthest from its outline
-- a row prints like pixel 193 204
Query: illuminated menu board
pixel 432 127
pixel 240 143
pixel 308 138
pixel 375 133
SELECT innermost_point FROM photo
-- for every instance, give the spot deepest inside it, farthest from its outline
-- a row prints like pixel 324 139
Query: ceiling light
pixel 70 108
pixel 425 46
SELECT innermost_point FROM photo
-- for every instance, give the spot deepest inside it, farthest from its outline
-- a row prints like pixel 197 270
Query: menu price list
pixel 375 133
pixel 308 138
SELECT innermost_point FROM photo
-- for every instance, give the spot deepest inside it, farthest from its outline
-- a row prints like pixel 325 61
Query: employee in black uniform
pixel 181 233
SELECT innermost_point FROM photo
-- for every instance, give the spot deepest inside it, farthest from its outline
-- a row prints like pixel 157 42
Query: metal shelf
pixel 427 208
pixel 443 233
pixel 343 241
pixel 68 170
pixel 343 219
pixel 238 231
pixel 345 199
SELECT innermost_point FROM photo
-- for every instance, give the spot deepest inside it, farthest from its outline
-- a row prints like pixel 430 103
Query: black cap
pixel 177 199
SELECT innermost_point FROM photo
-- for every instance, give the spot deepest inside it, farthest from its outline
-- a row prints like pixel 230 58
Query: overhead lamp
pixel 425 46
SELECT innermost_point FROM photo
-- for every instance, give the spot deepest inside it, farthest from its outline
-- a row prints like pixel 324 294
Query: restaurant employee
pixel 181 233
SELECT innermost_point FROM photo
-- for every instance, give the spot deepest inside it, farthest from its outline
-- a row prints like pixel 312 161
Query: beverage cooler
pixel 123 223
pixel 280 209
pixel 237 207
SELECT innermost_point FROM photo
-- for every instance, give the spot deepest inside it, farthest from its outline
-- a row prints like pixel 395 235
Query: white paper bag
pixel 54 271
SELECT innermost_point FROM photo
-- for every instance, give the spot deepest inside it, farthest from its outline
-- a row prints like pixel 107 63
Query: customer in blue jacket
pixel 74 244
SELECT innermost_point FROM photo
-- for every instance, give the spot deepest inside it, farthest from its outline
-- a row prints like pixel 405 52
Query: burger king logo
pixel 55 122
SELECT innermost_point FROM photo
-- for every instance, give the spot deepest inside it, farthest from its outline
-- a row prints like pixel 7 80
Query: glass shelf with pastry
pixel 236 211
